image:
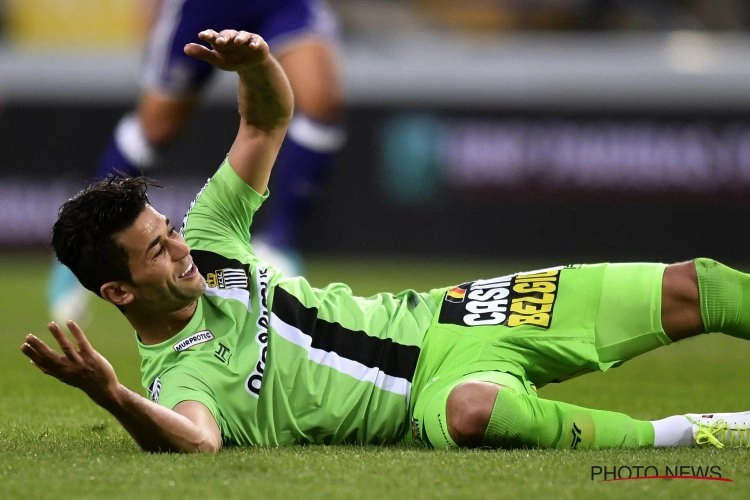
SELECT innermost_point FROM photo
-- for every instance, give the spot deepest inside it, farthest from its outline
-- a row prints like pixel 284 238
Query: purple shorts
pixel 168 69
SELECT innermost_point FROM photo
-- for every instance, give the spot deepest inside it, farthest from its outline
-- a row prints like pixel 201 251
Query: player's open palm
pixel 79 365
pixel 229 49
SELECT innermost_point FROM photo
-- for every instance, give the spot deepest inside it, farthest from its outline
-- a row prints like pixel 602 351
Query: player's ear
pixel 117 293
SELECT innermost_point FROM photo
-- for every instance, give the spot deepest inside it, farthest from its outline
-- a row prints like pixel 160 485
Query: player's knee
pixel 322 101
pixel 161 120
pixel 468 411
pixel 680 302
pixel 160 134
pixel 327 107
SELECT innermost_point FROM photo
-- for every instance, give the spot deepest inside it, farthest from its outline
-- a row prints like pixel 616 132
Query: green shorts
pixel 529 329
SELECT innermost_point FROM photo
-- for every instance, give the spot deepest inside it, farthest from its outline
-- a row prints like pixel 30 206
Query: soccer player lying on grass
pixel 233 353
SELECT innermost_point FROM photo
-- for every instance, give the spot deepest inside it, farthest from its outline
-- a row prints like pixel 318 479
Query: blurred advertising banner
pixel 590 156
pixel 28 207
pixel 67 24
pixel 441 182
pixel 567 185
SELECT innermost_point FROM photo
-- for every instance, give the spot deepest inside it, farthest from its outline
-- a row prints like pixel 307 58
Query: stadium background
pixel 574 129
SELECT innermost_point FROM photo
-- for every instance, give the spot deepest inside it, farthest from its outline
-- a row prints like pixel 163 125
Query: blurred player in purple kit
pixel 304 37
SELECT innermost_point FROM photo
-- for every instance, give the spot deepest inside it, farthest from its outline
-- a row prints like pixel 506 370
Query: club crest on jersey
pixel 227 278
pixel 517 299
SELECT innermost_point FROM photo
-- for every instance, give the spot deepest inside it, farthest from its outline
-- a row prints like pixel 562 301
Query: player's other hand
pixel 229 50
pixel 79 365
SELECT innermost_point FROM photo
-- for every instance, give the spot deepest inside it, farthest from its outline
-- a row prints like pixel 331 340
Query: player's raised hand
pixel 229 49
pixel 79 365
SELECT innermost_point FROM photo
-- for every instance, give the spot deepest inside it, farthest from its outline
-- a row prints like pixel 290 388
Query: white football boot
pixel 722 430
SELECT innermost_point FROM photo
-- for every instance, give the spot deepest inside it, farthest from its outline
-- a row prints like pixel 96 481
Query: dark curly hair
pixel 83 235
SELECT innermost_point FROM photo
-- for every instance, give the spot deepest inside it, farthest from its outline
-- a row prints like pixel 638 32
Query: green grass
pixel 55 443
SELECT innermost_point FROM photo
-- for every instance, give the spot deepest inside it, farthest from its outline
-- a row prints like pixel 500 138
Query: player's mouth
pixel 190 271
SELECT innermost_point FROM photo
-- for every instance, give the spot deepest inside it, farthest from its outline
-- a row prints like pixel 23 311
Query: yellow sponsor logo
pixel 536 294
pixel 513 300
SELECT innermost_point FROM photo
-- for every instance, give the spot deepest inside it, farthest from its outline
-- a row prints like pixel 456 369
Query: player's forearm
pixel 154 427
pixel 265 96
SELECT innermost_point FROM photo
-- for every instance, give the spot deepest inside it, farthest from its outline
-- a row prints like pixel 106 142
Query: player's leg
pixel 623 319
pixel 724 298
pixel 479 413
pixel 698 296
pixel 641 307
pixel 468 410
pixel 314 137
pixel 315 134
pixel 680 306
pixel 140 137
pixel 171 83
pixel 638 312
pixel 540 326
pixel 486 414
pixel 500 410
pixel 704 296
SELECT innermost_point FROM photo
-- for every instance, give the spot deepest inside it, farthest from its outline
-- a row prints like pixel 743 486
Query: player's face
pixel 161 267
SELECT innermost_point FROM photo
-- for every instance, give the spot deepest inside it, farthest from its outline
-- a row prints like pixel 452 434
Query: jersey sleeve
pixel 178 385
pixel 220 217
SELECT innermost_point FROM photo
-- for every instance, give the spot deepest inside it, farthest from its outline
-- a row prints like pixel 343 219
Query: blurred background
pixel 569 130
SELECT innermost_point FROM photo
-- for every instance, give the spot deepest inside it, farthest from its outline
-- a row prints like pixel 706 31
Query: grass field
pixel 55 443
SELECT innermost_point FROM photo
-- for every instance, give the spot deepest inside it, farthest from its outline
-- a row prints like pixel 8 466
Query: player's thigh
pixel 537 324
pixel 629 321
pixel 559 322
pixel 304 36
pixel 163 117
pixel 312 67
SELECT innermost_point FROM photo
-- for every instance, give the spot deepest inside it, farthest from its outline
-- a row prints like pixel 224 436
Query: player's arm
pixel 190 427
pixel 264 95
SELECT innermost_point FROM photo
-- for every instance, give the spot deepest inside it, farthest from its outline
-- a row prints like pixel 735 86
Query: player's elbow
pixel 209 447
pixel 208 444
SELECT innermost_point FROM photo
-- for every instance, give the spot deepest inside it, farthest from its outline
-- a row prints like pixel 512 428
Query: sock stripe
pixel 316 136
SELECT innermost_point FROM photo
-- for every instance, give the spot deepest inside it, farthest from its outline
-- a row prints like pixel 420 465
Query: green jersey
pixel 275 360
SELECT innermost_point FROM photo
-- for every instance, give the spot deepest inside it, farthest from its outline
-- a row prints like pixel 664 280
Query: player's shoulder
pixel 225 188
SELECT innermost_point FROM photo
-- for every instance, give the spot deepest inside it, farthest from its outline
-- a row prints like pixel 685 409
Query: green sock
pixel 519 420
pixel 722 290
